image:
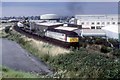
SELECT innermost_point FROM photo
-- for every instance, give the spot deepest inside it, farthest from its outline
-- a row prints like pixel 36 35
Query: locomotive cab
pixel 65 37
pixel 72 39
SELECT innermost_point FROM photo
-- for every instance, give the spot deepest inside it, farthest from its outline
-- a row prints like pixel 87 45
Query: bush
pixel 46 57
pixel 7 29
pixel 5 69
pixel 100 41
pixel 114 42
pixel 105 49
pixel 116 53
pixel 22 41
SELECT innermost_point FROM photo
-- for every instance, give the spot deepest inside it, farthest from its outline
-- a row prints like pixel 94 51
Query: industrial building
pixel 96 21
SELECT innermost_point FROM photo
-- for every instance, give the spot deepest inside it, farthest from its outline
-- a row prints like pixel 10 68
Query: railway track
pixel 44 39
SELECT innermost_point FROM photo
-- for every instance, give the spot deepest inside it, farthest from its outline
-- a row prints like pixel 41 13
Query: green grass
pixel 10 73
pixel 3 34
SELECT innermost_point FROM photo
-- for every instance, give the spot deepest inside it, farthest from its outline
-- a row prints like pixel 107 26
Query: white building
pixel 96 21
pixel 109 23
pixel 112 31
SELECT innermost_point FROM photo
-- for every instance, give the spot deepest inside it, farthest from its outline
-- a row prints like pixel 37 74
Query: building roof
pixel 49 16
pixel 66 28
pixel 112 28
pixel 36 21
pixel 93 32
pixel 49 23
pixel 98 17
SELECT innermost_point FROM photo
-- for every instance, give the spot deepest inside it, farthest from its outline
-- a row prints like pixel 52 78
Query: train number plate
pixel 73 39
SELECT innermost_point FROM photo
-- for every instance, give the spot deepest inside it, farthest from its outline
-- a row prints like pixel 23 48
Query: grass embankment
pixel 38 48
pixel 9 73
pixel 80 63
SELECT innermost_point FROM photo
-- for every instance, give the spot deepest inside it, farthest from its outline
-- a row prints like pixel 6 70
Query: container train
pixel 54 31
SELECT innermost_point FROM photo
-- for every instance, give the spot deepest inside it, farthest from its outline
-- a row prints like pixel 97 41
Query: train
pixel 67 36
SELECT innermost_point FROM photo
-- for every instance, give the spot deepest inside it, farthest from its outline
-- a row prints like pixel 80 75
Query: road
pixel 15 57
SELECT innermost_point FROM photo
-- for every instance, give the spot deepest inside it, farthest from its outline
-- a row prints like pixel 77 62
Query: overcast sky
pixel 59 0
pixel 60 8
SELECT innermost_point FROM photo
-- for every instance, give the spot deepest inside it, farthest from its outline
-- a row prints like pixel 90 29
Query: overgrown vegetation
pixel 9 73
pixel 105 49
pixel 80 63
pixel 86 65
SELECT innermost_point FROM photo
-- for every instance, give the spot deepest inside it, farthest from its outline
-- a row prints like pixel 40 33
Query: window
pixel 98 23
pixel 118 22
pixel 108 23
pixel 87 23
pixel 98 27
pixel 82 23
pixel 92 27
pixel 103 23
pixel 113 23
pixel 92 23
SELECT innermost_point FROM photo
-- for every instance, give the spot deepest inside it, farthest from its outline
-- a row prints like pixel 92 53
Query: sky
pixel 60 8
pixel 59 0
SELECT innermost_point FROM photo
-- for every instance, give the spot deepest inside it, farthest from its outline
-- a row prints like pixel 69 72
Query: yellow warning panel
pixel 73 39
